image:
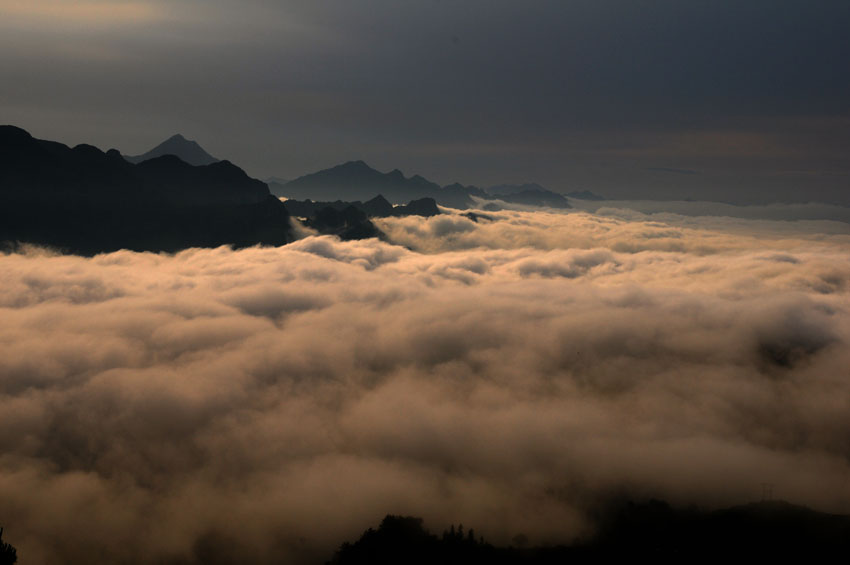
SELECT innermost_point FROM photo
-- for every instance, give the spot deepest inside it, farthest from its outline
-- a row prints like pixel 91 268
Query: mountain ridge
pixel 86 201
pixel 356 180
pixel 186 149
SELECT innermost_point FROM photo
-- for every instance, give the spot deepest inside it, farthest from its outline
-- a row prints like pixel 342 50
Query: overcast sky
pixel 743 100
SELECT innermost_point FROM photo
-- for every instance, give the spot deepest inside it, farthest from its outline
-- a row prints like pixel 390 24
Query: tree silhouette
pixel 403 539
pixel 626 531
pixel 8 554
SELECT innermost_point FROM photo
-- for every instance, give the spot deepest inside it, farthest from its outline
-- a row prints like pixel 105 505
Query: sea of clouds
pixel 511 373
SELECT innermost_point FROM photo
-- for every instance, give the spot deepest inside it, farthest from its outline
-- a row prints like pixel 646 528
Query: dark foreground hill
pixel 82 200
pixel 652 532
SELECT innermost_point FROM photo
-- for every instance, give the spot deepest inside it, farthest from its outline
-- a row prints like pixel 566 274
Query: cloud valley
pixel 511 373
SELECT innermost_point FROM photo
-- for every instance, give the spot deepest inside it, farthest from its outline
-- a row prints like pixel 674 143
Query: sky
pixel 514 374
pixel 721 100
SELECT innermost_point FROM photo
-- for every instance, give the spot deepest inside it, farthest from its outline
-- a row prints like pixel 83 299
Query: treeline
pixel 652 531
pixel 8 554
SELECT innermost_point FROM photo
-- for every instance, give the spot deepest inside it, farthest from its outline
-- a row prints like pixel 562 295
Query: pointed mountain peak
pixel 186 149
pixel 355 165
pixel 179 143
pixel 378 200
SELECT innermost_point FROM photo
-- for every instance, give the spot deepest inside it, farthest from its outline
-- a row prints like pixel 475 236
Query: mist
pixel 510 373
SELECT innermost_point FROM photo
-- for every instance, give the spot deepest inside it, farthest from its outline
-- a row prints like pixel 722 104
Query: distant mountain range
pixel 506 189
pixel 357 181
pixel 536 197
pixel 585 195
pixel 177 195
pixel 187 150
pixel 85 201
pixel 378 207
pixel 510 190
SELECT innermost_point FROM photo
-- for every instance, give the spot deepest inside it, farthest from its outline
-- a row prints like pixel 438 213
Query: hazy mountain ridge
pixel 86 201
pixel 378 207
pixel 585 195
pixel 502 189
pixel 186 149
pixel 355 180
pixel 275 180
pixel 543 198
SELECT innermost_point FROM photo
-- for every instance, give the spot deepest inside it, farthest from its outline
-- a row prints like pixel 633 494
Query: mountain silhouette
pixel 355 180
pixel 425 207
pixel 347 224
pixel 544 198
pixel 276 181
pixel 83 200
pixel 502 189
pixel 8 553
pixel 585 195
pixel 276 187
pixel 653 532
pixel 378 207
pixel 458 196
pixel 529 194
pixel 187 150
pixel 351 220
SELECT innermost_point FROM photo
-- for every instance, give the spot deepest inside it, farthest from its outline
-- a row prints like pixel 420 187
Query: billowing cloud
pixel 827 217
pixel 269 403
pixel 619 228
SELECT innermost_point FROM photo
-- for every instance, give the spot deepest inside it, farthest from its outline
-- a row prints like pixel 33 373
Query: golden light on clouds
pixel 533 363
pixel 86 12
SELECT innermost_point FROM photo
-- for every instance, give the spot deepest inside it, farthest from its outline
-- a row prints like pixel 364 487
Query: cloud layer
pixel 510 374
